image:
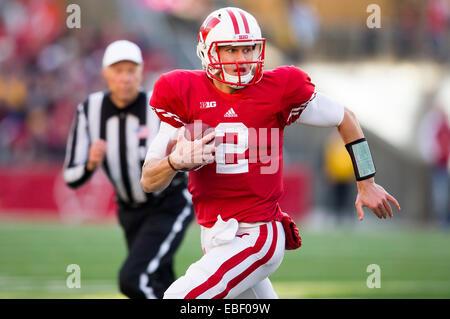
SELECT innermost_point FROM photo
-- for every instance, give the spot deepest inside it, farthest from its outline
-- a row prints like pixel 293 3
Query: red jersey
pixel 245 182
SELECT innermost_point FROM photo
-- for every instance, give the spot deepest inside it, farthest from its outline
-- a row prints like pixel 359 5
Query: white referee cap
pixel 122 50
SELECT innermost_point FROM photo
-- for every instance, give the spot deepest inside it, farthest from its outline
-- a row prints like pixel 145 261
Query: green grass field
pixel 414 262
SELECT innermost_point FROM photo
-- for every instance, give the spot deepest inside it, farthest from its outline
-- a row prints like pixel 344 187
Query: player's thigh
pixel 228 270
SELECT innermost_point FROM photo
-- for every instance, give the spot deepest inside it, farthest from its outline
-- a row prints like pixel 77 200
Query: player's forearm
pixel 349 129
pixel 156 175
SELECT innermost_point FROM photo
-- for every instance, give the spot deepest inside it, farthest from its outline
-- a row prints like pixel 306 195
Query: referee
pixel 113 129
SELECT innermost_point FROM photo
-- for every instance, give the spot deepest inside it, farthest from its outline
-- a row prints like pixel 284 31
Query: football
pixel 193 131
pixel 197 130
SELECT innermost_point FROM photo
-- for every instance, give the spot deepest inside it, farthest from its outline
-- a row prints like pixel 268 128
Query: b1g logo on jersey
pixel 207 104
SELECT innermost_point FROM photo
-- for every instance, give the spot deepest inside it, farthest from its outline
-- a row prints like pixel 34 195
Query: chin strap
pixel 235 79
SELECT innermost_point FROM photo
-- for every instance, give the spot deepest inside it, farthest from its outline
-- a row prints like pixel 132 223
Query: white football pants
pixel 237 260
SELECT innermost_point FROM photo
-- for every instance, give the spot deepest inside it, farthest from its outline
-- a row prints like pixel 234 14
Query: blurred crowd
pixel 423 26
pixel 45 71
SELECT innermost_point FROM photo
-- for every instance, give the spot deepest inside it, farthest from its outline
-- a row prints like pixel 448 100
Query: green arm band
pixel 361 158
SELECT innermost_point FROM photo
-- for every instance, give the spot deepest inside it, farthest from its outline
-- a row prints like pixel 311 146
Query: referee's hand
pixel 97 152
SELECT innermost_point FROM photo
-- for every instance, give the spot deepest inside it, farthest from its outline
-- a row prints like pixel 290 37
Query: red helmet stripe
pixel 244 18
pixel 204 30
pixel 234 20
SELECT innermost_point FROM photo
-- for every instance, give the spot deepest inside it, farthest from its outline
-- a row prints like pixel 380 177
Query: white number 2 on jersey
pixel 228 147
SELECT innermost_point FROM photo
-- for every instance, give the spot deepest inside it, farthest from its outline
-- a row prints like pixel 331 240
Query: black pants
pixel 153 233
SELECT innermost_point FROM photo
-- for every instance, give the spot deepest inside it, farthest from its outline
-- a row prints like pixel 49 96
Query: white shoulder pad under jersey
pixel 323 112
pixel 158 147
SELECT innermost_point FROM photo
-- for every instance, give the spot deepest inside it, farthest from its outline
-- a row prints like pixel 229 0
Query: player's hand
pixel 190 154
pixel 375 198
pixel 97 152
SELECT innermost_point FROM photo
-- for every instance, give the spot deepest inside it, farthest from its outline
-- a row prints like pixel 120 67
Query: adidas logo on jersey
pixel 230 113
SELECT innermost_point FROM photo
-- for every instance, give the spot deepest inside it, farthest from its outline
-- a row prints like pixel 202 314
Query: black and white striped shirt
pixel 128 133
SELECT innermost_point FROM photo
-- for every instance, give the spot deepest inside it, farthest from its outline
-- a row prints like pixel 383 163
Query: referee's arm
pixel 77 151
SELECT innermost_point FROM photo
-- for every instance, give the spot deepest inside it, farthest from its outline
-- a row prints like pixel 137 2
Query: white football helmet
pixel 236 27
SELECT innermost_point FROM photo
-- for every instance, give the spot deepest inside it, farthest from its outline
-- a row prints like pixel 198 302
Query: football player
pixel 244 233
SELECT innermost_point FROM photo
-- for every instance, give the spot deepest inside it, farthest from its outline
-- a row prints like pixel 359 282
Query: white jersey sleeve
pixel 322 112
pixel 158 147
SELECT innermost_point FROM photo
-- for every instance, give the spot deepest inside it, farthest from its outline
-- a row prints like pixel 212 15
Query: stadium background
pixel 392 77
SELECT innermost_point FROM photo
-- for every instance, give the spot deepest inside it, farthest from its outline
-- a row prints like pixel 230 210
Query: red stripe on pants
pixel 230 264
pixel 234 282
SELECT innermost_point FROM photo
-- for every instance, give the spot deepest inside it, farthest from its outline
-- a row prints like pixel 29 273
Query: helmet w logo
pixel 236 28
pixel 207 27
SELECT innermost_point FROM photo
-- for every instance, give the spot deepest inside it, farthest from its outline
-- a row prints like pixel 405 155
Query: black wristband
pixel 363 165
pixel 170 164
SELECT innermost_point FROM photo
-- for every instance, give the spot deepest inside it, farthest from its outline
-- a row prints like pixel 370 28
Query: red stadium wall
pixel 40 191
